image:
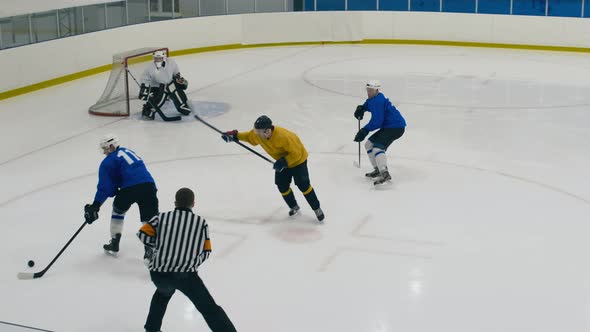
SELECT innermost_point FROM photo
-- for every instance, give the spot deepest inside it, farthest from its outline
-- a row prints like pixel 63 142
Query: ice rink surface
pixel 485 227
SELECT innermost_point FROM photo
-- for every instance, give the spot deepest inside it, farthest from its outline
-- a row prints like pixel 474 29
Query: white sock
pixel 380 159
pixel 117 220
pixel 371 153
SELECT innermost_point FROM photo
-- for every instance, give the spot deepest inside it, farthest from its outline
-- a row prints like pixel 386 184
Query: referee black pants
pixel 191 285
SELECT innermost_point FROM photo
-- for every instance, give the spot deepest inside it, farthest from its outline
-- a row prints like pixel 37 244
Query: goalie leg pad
pixel 156 98
pixel 176 93
pixel 158 95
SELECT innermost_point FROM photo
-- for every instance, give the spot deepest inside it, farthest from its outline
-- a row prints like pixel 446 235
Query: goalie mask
pixel 159 58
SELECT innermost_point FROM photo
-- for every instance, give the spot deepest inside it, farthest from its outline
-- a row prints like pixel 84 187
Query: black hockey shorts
pixel 144 194
pixel 298 173
pixel 383 138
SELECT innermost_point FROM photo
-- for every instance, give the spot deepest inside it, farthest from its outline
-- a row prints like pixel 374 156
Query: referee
pixel 181 242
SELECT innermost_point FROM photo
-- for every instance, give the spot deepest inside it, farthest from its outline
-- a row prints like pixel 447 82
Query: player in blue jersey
pixel 123 175
pixel 391 125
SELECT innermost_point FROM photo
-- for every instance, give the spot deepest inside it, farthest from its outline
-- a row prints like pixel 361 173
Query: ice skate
pixel 383 178
pixel 319 214
pixel 112 248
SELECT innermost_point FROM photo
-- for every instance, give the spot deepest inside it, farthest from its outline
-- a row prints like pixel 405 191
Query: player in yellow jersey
pixel 291 160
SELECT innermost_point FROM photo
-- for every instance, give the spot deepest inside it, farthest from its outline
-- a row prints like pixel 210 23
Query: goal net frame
pixel 119 71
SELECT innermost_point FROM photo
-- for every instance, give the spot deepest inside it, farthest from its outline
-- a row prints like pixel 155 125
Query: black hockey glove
pixel 143 92
pixel 91 212
pixel 280 165
pixel 360 136
pixel 230 136
pixel 181 82
pixel 359 112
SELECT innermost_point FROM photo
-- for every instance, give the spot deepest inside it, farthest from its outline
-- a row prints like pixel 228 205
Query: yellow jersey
pixel 281 144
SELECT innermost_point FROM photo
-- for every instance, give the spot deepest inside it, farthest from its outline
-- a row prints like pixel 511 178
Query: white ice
pixel 485 227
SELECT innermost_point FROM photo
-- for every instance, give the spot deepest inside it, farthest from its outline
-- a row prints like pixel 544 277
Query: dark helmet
pixel 263 122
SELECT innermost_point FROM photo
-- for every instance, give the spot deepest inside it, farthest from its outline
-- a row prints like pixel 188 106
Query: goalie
pixel 161 81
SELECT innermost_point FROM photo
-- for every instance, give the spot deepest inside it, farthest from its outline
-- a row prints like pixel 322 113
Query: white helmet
pixel 159 54
pixel 109 140
pixel 374 84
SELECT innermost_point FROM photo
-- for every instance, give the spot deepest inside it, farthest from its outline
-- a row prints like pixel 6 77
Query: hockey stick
pixel 237 142
pixel 28 275
pixel 359 128
pixel 358 164
pixel 156 109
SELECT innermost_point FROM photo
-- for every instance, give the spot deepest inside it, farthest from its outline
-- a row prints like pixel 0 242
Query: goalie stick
pixel 35 275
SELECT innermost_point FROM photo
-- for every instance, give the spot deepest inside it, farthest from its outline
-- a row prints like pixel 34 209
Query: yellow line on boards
pixel 97 70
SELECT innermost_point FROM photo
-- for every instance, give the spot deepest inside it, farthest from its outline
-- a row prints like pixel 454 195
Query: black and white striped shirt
pixel 180 240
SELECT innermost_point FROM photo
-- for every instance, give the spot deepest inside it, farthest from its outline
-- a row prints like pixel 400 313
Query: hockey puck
pixel 31 263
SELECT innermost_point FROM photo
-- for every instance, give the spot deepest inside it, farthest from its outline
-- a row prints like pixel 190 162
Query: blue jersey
pixel 120 169
pixel 383 114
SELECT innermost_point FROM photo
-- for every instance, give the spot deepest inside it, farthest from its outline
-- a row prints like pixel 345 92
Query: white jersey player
pixel 160 80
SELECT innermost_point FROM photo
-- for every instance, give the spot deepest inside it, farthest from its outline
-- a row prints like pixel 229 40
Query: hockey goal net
pixel 121 91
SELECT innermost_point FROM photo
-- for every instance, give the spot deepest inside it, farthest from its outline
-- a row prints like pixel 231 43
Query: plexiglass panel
pixel 15 31
pixel 138 11
pixel 70 21
pixel 569 8
pixel 362 4
pixel 529 7
pixel 188 8
pixel 240 6
pixel 458 6
pixel 44 26
pixel 268 6
pixel 425 5
pixel 116 14
pixel 212 7
pixel 493 6
pixel 398 5
pixel 94 18
pixel 330 5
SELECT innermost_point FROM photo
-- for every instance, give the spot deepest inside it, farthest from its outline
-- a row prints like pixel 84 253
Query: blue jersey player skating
pixel 123 175
pixel 390 124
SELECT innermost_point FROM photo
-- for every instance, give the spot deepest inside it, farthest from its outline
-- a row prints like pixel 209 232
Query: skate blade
pixel 111 253
pixel 386 183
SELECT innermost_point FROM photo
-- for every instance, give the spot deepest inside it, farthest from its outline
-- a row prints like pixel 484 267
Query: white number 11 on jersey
pixel 129 156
